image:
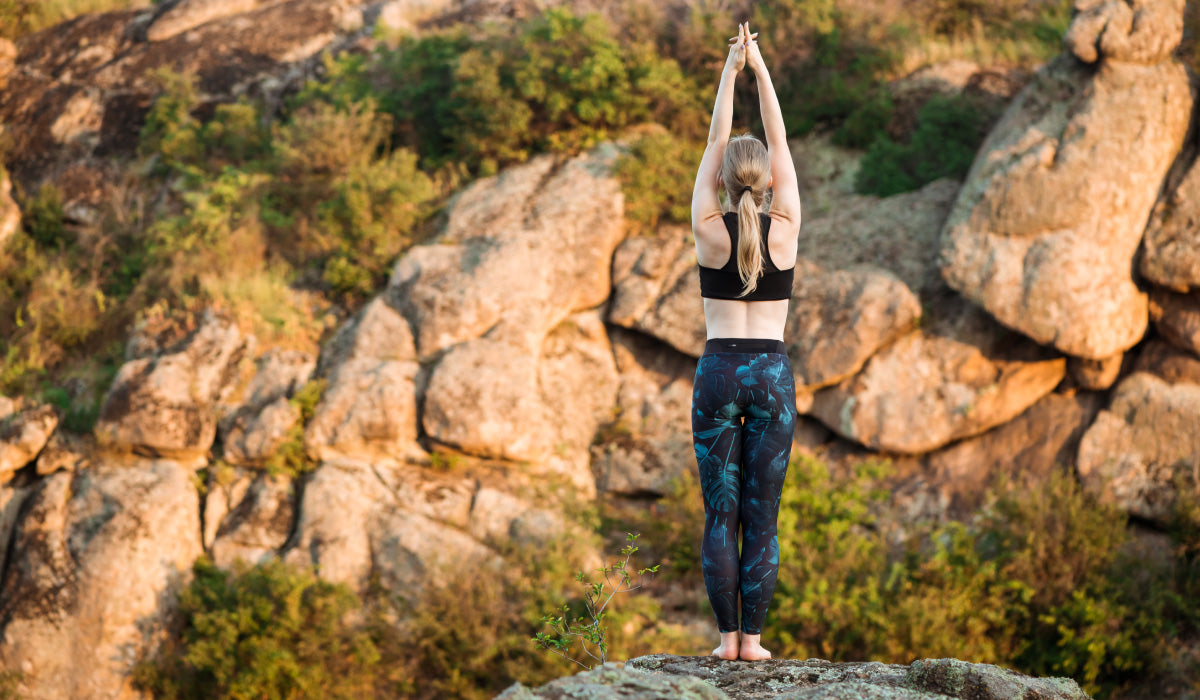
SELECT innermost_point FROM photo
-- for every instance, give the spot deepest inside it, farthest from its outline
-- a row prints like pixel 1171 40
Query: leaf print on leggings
pixel 722 489
pixel 743 417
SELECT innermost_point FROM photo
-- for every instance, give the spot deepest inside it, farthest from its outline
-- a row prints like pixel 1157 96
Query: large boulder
pixel 368 408
pixel 649 441
pixel 656 289
pixel 541 404
pixel 248 518
pixel 950 483
pixel 166 405
pixel 22 437
pixel 357 520
pixel 840 318
pixel 1136 31
pixel 1046 226
pixel 1168 362
pixel 552 226
pixel 1140 452
pixel 1171 247
pixel 955 377
pixel 260 423
pixel 523 372
pixel 1177 316
pixel 97 562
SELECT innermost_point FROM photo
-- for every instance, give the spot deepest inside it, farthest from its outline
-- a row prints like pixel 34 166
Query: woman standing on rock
pixel 744 400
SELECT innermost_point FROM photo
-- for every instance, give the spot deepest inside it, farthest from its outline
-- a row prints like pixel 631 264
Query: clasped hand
pixel 743 50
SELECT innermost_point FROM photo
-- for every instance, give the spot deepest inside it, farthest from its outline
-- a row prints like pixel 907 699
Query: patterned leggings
pixel 743 418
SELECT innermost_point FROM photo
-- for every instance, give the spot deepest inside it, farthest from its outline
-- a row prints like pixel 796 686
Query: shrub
pixel 267 631
pixel 588 628
pixel 42 218
pixel 170 132
pixel 556 82
pixel 1039 582
pixel 657 174
pixel 948 133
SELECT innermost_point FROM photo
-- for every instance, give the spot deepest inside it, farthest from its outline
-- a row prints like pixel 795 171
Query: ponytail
pixel 749 253
pixel 746 172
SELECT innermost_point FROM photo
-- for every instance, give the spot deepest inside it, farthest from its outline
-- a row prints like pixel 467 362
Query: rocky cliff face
pixel 963 329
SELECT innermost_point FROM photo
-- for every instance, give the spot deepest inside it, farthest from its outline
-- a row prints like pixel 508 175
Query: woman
pixel 744 400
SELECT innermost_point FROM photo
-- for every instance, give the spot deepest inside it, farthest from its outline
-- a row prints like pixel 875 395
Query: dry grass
pixel 47 13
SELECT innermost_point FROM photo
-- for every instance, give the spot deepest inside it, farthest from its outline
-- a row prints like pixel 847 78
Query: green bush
pixel 657 174
pixel 268 631
pixel 948 133
pixel 1040 582
pixel 556 82
pixel 42 218
pixel 866 123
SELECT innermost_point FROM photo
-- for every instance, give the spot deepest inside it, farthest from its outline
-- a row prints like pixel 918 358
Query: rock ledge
pixel 707 678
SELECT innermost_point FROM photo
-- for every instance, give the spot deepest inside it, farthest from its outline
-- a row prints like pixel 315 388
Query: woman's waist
pixel 744 345
pixel 745 319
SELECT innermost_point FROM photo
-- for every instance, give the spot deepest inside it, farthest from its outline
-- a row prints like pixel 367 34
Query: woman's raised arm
pixel 785 197
pixel 706 205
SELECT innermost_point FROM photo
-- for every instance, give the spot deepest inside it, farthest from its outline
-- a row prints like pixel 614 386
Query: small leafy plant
pixel 588 630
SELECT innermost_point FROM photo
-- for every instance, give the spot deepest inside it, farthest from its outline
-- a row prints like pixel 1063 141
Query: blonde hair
pixel 746 165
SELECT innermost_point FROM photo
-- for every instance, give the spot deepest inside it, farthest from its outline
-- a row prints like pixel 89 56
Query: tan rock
pixel 260 435
pixel 1137 450
pixel 1168 363
pixel 351 525
pixel 257 527
pixel 80 118
pixel 166 405
pixel 188 14
pixel 11 499
pixel 405 15
pixel 1141 31
pixel 950 483
pixel 1045 228
pixel 520 252
pixel 1095 375
pixel 10 213
pixel 1171 247
pixel 224 488
pixel 956 378
pixel 898 234
pixel 541 404
pixel 65 451
pixel 22 437
pixel 8 60
pixel 98 557
pixel 254 428
pixel 369 407
pixel 656 289
pixel 1177 318
pixel 649 442
pixel 840 318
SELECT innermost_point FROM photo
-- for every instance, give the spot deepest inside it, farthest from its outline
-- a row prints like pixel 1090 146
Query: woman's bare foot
pixel 751 650
pixel 729 646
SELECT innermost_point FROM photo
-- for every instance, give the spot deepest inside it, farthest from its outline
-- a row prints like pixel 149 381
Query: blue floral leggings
pixel 743 419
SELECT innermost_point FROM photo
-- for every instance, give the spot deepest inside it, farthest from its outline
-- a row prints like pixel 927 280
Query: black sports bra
pixel 725 283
